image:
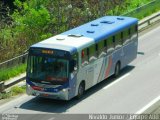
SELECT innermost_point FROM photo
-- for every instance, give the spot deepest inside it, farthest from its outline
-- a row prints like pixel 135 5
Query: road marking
pixel 148 105
pixel 116 81
pixel 11 104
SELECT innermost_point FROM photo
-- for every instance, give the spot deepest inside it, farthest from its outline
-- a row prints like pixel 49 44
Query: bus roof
pixel 92 32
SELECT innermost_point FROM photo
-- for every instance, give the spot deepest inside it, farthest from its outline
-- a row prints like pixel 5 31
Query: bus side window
pixel 84 57
pixel 110 44
pixel 129 32
pixel 122 38
pixel 105 44
pixel 118 41
pixel 101 51
pixel 136 30
pixel 92 53
pixel 96 47
pixel 113 41
pixel 133 30
pixel 125 37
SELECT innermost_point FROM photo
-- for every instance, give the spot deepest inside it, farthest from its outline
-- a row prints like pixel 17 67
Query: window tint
pixel 92 53
pixel 84 57
pixel 129 32
pixel 122 37
pixel 133 30
pixel 125 33
pixel 105 43
pixel 118 40
pixel 102 48
pixel 96 47
pixel 114 40
pixel 105 46
pixel 125 36
pixel 110 44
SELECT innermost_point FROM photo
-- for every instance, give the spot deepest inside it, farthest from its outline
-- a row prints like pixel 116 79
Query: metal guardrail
pixel 14 61
pixel 14 82
pixel 149 20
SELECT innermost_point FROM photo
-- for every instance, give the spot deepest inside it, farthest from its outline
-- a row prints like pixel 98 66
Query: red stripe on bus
pixel 37 88
pixel 109 67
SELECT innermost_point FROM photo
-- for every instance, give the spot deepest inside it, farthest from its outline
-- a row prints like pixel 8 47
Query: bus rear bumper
pixel 61 95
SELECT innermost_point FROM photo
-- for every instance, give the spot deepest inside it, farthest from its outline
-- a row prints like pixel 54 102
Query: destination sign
pixel 50 52
pixel 47 51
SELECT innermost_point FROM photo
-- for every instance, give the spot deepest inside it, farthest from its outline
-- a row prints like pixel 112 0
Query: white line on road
pixel 116 81
pixel 148 105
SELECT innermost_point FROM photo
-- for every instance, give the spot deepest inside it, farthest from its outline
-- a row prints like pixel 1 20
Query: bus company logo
pixel 9 117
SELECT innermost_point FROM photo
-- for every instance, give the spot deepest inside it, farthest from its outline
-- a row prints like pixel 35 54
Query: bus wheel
pixel 81 90
pixel 117 70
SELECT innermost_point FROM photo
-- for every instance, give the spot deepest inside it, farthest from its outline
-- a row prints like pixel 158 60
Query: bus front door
pixel 89 76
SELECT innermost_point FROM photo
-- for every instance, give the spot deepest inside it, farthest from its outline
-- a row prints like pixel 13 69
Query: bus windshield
pixel 47 69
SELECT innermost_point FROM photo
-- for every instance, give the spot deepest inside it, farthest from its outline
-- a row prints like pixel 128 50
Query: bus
pixel 66 65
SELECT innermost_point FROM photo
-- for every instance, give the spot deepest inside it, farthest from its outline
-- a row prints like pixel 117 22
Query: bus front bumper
pixel 60 95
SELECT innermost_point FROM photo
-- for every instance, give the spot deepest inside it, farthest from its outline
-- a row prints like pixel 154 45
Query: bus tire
pixel 117 70
pixel 81 90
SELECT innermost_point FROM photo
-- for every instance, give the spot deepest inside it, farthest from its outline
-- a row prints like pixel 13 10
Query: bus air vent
pixel 120 18
pixel 93 24
pixel 107 22
pixel 75 35
pixel 90 31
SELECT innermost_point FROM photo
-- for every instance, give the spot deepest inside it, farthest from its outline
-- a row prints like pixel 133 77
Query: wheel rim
pixel 80 90
pixel 117 70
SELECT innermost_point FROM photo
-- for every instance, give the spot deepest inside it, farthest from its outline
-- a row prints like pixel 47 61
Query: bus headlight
pixel 66 89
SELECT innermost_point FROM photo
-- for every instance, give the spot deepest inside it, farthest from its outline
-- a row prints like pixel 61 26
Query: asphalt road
pixel 138 84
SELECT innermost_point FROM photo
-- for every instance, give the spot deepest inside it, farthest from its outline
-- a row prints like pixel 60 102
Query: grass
pixel 145 8
pixel 145 11
pixel 8 73
pixel 16 90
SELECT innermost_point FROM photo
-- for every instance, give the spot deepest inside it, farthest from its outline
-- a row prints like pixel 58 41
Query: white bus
pixel 66 65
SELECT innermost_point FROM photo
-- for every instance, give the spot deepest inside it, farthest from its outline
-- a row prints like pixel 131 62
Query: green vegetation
pixel 146 10
pixel 18 90
pixel 5 74
pixel 30 21
pixel 14 91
